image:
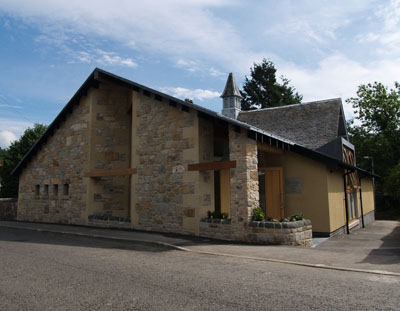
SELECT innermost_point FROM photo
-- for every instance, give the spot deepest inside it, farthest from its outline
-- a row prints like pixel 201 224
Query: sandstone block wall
pixel 164 140
pixel 244 180
pixel 61 161
pixel 298 233
pixel 110 149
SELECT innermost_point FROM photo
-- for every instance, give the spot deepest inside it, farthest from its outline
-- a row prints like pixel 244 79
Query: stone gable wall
pixel 165 140
pixel 61 160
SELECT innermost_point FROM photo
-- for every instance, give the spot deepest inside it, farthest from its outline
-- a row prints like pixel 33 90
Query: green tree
pixel 378 136
pixel 263 90
pixel 13 155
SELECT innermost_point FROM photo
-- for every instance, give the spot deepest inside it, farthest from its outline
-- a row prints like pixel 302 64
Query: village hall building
pixel 123 155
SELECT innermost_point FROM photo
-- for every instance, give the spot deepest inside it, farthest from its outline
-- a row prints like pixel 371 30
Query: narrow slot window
pixel 37 189
pixel 46 189
pixel 55 189
pixel 66 189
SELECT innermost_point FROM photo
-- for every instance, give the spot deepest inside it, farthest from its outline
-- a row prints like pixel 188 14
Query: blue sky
pixel 187 48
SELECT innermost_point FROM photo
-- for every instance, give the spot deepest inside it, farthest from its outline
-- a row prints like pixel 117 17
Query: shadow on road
pixel 389 252
pixel 29 236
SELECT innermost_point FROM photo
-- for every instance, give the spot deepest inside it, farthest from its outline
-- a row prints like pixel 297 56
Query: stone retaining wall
pixel 8 208
pixel 260 232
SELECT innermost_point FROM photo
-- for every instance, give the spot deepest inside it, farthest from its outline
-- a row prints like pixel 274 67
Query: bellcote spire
pixel 231 98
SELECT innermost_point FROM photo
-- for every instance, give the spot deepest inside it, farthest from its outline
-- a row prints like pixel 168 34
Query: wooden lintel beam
pixel 212 166
pixel 105 173
pixel 269 149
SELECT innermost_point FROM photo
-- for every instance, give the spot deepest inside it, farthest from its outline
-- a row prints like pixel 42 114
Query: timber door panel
pixel 225 191
pixel 274 195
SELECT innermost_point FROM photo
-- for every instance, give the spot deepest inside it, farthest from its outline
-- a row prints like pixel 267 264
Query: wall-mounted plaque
pixel 293 185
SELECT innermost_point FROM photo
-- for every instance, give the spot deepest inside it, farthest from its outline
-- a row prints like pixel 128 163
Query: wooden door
pixel 274 195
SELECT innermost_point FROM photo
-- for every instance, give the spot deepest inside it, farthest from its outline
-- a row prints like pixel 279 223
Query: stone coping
pixel 280 225
pixel 216 221
pixel 109 218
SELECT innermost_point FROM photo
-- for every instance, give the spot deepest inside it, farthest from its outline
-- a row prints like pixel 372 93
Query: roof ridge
pixel 294 105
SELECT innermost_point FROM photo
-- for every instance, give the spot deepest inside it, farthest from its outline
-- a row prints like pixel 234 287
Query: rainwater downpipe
pixel 361 206
pixel 346 202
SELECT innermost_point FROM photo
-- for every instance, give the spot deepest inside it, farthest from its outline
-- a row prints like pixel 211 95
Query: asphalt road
pixel 47 271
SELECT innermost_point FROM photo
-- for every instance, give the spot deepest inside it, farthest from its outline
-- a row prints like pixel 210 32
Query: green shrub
pixel 217 215
pixel 258 214
pixel 296 217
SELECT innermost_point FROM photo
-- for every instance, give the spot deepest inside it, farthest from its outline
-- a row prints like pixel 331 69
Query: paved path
pixel 375 249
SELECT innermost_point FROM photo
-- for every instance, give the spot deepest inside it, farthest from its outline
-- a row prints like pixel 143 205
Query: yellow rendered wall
pixel 367 195
pixel 313 198
pixel 337 208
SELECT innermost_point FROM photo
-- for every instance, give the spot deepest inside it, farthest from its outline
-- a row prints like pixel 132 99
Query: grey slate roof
pixel 311 125
pixel 231 88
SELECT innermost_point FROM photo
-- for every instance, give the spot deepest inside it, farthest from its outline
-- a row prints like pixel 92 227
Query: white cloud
pixel 6 137
pixel 177 29
pixel 173 28
pixel 6 24
pixel 313 21
pixel 341 44
pixel 182 92
pixel 188 65
pixel 215 72
pixel 386 37
pixel 113 59
pixel 10 106
pixel 103 57
pixel 11 130
pixel 339 76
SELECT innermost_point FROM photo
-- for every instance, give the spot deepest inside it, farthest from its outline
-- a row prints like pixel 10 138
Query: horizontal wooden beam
pixel 105 173
pixel 269 149
pixel 212 166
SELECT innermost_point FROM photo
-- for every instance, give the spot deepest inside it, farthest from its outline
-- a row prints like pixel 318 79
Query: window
pixel 65 189
pixel 46 189
pixel 222 201
pixel 217 192
pixel 37 189
pixel 352 201
pixel 55 189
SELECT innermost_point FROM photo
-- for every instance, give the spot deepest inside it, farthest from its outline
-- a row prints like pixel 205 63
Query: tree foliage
pixel 378 136
pixel 13 155
pixel 263 90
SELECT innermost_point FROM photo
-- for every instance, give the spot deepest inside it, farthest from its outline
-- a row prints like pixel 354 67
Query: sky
pixel 187 49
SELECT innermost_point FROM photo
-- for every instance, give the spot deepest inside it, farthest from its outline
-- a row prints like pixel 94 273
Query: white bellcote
pixel 231 98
